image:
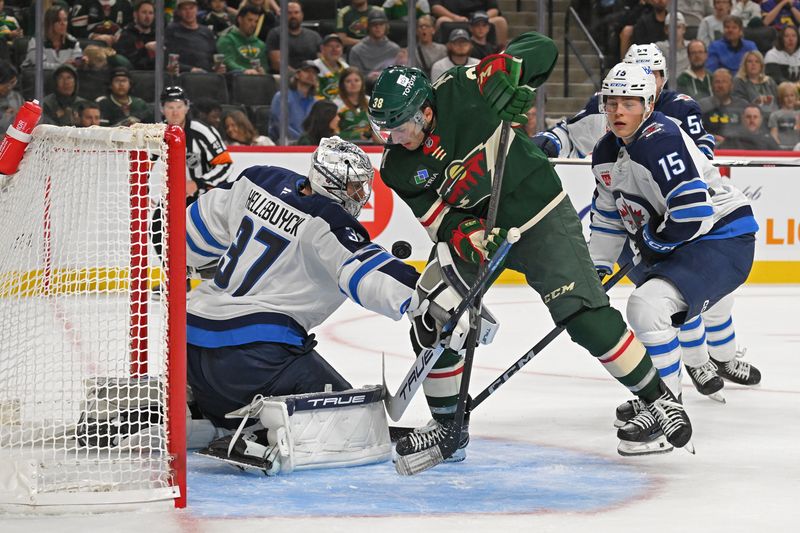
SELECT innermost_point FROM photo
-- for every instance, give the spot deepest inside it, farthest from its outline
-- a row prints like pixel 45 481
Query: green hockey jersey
pixel 465 139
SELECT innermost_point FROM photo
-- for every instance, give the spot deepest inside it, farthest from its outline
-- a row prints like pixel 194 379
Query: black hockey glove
pixel 548 142
pixel 648 246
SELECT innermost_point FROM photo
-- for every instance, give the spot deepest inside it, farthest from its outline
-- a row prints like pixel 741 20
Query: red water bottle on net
pixel 18 136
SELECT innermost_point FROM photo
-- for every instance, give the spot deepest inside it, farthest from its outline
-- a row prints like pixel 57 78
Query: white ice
pixel 544 453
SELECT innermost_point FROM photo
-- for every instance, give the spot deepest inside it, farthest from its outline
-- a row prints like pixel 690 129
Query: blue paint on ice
pixel 497 477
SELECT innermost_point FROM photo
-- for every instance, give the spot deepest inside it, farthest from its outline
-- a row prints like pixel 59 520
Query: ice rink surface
pixel 543 456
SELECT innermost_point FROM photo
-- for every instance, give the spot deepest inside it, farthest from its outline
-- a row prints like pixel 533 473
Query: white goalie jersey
pixel 285 262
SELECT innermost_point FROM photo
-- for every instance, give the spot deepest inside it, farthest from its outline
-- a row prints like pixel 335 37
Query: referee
pixel 208 162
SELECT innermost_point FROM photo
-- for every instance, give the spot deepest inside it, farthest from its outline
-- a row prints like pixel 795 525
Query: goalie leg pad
pixel 323 430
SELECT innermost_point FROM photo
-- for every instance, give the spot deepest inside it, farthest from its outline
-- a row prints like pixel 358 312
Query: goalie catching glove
pixel 470 243
pixel 434 302
pixel 498 82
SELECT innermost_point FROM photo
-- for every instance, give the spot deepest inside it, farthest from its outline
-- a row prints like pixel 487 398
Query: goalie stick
pixel 397 403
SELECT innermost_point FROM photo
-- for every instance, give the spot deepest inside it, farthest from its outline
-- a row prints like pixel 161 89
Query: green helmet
pixel 398 94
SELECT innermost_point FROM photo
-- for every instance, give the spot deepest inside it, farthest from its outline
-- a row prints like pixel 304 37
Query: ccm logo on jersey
pixel 273 213
pixel 558 292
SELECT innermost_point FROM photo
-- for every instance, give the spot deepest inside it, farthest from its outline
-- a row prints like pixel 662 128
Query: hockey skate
pixel 659 428
pixel 738 371
pixel 421 446
pixel 627 410
pixel 706 380
pixel 251 451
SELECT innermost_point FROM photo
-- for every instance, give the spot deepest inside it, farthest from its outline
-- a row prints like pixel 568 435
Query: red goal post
pixel 93 327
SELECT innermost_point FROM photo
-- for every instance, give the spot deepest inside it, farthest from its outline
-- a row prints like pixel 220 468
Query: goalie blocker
pixel 307 431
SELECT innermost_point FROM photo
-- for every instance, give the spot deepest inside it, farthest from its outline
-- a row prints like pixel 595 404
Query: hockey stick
pixel 397 403
pixel 780 162
pixel 421 461
pixel 538 347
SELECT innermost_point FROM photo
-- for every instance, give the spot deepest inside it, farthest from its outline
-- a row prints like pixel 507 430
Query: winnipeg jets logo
pixel 652 129
pixel 633 214
pixel 353 235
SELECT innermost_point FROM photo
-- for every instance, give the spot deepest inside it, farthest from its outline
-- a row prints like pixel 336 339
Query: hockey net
pixel 92 327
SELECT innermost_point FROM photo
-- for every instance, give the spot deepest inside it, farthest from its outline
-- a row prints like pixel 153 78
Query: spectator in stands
pixel 623 25
pixel 752 135
pixel 784 124
pixel 59 46
pixel 10 100
pixel 61 106
pixel 330 65
pixel 303 43
pixel 749 11
pixel 9 25
pixel 695 81
pixel 302 95
pixel 752 85
pixel 650 26
pixel 375 51
pixel 351 21
pixel 194 44
pixel 99 58
pixel 352 104
pixel 479 32
pixel 460 11
pixel 137 41
pixel 722 112
pixel 106 18
pixel 780 13
pixel 89 114
pixel 458 53
pixel 239 131
pixel 729 51
pixel 782 62
pixel 322 121
pixel 711 26
pixel 208 162
pixel 427 50
pixel 244 52
pixel 217 18
pixel 681 57
pixel 694 11
pixel 269 16
pixel 119 107
pixel 208 111
pixel 398 9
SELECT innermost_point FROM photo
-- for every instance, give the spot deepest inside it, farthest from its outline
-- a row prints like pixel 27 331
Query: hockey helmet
pixel 174 93
pixel 648 56
pixel 397 98
pixel 342 171
pixel 626 79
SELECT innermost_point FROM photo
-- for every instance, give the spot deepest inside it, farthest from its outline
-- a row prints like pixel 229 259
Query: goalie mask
pixel 342 171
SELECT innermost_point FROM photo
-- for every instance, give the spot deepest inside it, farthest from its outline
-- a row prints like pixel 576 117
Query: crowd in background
pixel 739 59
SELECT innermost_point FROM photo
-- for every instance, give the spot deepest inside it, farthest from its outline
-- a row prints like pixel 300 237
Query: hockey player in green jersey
pixel 442 142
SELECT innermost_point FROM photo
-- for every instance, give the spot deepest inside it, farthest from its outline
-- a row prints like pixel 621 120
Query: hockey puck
pixel 401 250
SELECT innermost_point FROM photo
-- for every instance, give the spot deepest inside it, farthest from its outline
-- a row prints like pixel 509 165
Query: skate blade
pixel 689 447
pixel 409 465
pixel 653 447
pixel 260 467
pixel 717 397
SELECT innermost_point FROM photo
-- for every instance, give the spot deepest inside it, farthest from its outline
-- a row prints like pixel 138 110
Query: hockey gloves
pixel 470 243
pixel 650 250
pixel 498 81
pixel 548 142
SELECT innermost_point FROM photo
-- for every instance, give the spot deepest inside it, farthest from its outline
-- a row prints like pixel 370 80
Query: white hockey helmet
pixel 342 171
pixel 648 56
pixel 626 79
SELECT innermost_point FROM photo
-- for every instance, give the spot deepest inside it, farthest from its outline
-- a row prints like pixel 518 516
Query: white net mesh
pixel 83 357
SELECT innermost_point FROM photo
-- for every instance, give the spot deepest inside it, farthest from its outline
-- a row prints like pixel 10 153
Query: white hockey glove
pixel 433 304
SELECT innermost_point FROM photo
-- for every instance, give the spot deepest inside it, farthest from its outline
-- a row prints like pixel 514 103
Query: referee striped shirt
pixel 208 162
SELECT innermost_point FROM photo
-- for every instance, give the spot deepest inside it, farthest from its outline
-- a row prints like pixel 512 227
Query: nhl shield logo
pixel 606 177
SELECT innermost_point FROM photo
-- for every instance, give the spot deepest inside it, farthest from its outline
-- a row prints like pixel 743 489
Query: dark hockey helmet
pixel 174 93
pixel 399 94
